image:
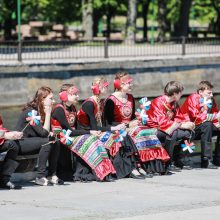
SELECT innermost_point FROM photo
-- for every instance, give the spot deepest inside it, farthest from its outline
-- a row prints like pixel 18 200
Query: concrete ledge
pixel 19 82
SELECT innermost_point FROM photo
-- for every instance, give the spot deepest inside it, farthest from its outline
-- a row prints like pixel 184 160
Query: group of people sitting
pixel 105 140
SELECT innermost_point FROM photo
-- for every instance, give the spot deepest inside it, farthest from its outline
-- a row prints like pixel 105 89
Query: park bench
pixel 27 163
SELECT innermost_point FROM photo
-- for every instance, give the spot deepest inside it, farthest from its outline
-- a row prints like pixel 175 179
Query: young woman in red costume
pixel 120 108
pixel 36 138
pixel 90 117
pixel 90 158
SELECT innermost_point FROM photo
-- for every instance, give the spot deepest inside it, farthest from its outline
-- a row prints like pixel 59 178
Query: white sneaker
pixel 135 172
pixel 55 180
pixel 43 181
pixel 141 171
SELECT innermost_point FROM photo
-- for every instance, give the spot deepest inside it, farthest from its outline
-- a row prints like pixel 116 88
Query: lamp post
pixel 19 28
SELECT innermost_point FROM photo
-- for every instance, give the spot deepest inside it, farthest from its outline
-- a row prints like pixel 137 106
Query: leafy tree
pixel 8 23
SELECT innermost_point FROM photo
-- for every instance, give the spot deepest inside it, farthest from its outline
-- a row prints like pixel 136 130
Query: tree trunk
pixel 162 24
pixel 7 29
pixel 181 29
pixel 87 8
pixel 109 14
pixel 215 4
pixel 96 18
pixel 131 20
pixel 145 7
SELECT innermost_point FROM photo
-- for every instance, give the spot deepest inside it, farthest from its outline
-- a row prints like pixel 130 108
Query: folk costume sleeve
pixel 2 132
pixel 109 113
pixel 197 112
pixel 88 107
pixel 162 117
pixel 133 109
pixel 60 116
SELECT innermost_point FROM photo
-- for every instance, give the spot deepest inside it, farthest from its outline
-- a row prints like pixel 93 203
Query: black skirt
pixel 65 166
pixel 71 167
pixel 125 159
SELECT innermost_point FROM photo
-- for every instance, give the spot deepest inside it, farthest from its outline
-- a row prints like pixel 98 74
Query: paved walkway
pixel 191 194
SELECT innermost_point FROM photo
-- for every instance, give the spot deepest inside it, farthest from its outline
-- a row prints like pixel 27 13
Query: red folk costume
pixel 70 116
pixel 82 116
pixel 87 146
pixel 165 116
pixel 198 112
pixel 122 111
pixel 2 131
pixel 147 143
pixel 106 137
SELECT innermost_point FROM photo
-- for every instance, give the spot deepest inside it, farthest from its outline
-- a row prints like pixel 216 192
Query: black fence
pixel 43 50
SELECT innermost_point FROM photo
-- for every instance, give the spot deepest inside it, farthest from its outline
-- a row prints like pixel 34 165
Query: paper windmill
pixel 144 103
pixel 33 118
pixel 65 137
pixel 188 146
pixel 141 112
pixel 119 135
pixel 204 102
pixel 142 116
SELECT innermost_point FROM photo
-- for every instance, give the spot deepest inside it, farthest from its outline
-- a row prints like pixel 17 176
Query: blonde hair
pixel 97 81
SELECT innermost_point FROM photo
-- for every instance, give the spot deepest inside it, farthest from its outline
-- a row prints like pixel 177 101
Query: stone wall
pixel 18 83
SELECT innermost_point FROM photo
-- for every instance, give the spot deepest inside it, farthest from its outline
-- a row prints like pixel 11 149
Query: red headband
pixel 105 84
pixel 126 79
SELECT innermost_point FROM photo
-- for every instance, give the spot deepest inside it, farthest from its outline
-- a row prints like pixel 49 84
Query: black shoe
pixel 10 185
pixel 137 176
pixel 109 179
pixel 156 173
pixel 173 168
pixel 166 173
pixel 206 163
pixel 183 166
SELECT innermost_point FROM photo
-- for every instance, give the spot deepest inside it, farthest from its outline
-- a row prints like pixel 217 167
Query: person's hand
pixel 2 133
pixel 187 125
pixel 48 109
pixel 218 115
pixel 118 127
pixel 96 133
pixel 51 134
pixel 13 135
pixel 133 123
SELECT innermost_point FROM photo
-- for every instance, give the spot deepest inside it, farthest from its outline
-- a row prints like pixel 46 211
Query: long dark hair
pixel 37 102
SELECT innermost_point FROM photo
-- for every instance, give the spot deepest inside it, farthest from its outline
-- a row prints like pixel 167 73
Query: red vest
pixel 122 111
pixel 83 117
pixel 70 116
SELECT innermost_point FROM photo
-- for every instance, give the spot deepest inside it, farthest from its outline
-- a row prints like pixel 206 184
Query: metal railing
pixel 41 50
